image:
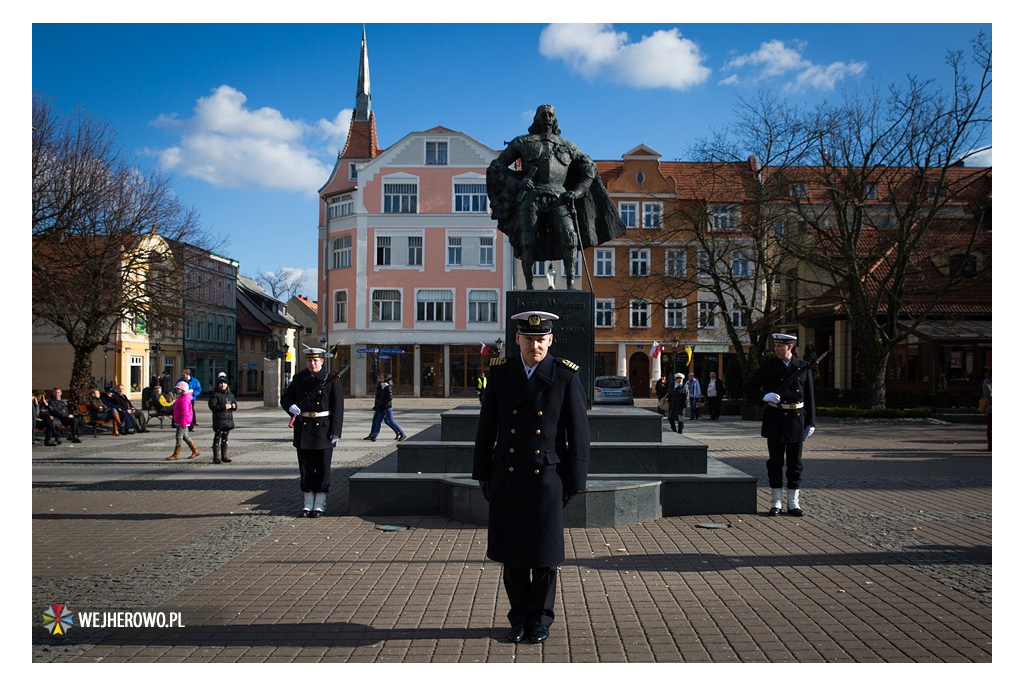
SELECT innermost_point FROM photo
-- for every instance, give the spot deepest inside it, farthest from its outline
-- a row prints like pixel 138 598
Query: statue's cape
pixel 596 215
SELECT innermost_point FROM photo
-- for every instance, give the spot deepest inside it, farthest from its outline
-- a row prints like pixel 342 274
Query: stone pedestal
pixel 638 472
pixel 574 330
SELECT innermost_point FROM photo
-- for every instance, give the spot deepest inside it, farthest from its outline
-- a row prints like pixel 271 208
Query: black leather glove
pixel 485 488
pixel 568 495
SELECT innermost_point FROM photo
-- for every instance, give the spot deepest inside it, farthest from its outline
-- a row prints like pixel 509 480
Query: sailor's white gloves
pixel 772 397
pixel 808 432
pixel 294 410
pixel 334 440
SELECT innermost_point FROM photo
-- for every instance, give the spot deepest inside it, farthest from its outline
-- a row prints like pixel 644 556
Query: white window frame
pixel 675 262
pixel 707 314
pixel 604 262
pixel 435 153
pixel 486 301
pixel 870 191
pixel 604 313
pixel 469 201
pixel 740 263
pixel 540 269
pixel 629 212
pixel 639 257
pixel 703 264
pixel 440 306
pixel 740 317
pixel 414 249
pixel 486 250
pixel 342 205
pixel 675 313
pixel 639 314
pixel 408 197
pixel 652 215
pixel 394 308
pixel 341 252
pixel 577 269
pixel 340 313
pixel 722 217
pixel 799 190
pixel 382 254
pixel 453 254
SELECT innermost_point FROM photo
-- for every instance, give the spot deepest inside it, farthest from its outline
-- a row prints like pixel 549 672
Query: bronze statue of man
pixel 554 205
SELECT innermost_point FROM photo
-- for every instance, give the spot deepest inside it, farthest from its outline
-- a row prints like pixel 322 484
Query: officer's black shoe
pixel 304 514
pixel 516 633
pixel 538 634
pixel 795 512
pixel 774 511
pixel 316 513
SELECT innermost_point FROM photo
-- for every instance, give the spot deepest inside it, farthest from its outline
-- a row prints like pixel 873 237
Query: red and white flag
pixel 484 349
pixel 656 349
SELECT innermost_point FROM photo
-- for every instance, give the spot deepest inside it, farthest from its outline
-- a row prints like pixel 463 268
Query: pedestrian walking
pixel 693 390
pixel 223 406
pixel 784 385
pixel 183 412
pixel 678 399
pixel 661 389
pixel 531 456
pixel 382 409
pixel 317 405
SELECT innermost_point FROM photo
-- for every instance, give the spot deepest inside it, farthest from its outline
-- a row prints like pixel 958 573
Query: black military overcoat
pixel 784 425
pixel 532 446
pixel 314 433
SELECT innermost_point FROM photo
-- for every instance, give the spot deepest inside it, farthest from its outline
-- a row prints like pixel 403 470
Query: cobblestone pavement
pixel 892 564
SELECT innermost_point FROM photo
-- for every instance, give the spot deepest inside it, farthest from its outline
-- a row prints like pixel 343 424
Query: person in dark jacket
pixel 787 385
pixel 110 400
pixel 223 406
pixel 66 414
pixel 383 410
pixel 661 389
pixel 531 456
pixel 316 402
pixel 678 400
pixel 715 392
pixel 139 418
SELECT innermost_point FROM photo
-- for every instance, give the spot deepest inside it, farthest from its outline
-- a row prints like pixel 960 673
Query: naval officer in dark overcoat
pixel 531 456
pixel 788 418
pixel 316 401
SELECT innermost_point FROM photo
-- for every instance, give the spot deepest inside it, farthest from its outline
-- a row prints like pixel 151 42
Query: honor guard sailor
pixel 532 454
pixel 784 386
pixel 316 402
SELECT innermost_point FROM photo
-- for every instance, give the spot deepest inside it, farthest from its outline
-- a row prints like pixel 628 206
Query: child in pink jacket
pixel 182 411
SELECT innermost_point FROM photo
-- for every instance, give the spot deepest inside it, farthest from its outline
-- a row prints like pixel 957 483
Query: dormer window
pixel 437 153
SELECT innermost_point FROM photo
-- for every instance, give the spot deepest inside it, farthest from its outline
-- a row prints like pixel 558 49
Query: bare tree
pixel 102 231
pixel 282 284
pixel 889 212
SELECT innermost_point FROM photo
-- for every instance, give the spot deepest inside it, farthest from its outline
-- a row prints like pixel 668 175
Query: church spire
pixel 362 111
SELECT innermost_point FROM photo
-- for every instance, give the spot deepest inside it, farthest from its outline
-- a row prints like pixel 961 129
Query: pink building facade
pixel 413 269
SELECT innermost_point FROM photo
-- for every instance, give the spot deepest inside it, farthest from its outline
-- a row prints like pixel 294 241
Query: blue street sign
pixel 388 350
pixel 370 350
pixel 383 356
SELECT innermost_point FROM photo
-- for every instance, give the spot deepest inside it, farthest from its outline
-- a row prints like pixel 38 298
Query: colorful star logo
pixel 57 619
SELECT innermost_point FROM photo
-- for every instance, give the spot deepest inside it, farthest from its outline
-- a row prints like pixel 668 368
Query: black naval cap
pixel 784 338
pixel 534 322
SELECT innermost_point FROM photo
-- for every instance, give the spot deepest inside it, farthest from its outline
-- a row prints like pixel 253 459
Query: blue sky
pixel 248 119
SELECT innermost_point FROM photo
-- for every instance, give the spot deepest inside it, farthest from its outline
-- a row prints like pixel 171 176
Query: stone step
pixel 429 452
pixel 610 500
pixel 607 424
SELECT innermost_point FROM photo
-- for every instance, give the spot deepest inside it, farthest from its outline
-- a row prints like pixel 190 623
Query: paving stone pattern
pixel 892 563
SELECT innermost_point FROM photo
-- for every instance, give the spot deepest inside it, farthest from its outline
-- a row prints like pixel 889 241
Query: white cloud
pixel 228 144
pixel 663 59
pixel 776 59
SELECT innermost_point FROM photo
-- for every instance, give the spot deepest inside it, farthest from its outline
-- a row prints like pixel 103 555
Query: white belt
pixel 779 405
pixel 318 414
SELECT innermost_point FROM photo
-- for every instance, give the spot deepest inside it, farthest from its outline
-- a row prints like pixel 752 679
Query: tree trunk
pixel 874 361
pixel 81 373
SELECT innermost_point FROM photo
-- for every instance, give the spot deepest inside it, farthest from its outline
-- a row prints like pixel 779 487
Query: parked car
pixel 612 390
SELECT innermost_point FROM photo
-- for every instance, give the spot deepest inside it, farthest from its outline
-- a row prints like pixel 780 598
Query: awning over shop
pixel 959 331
